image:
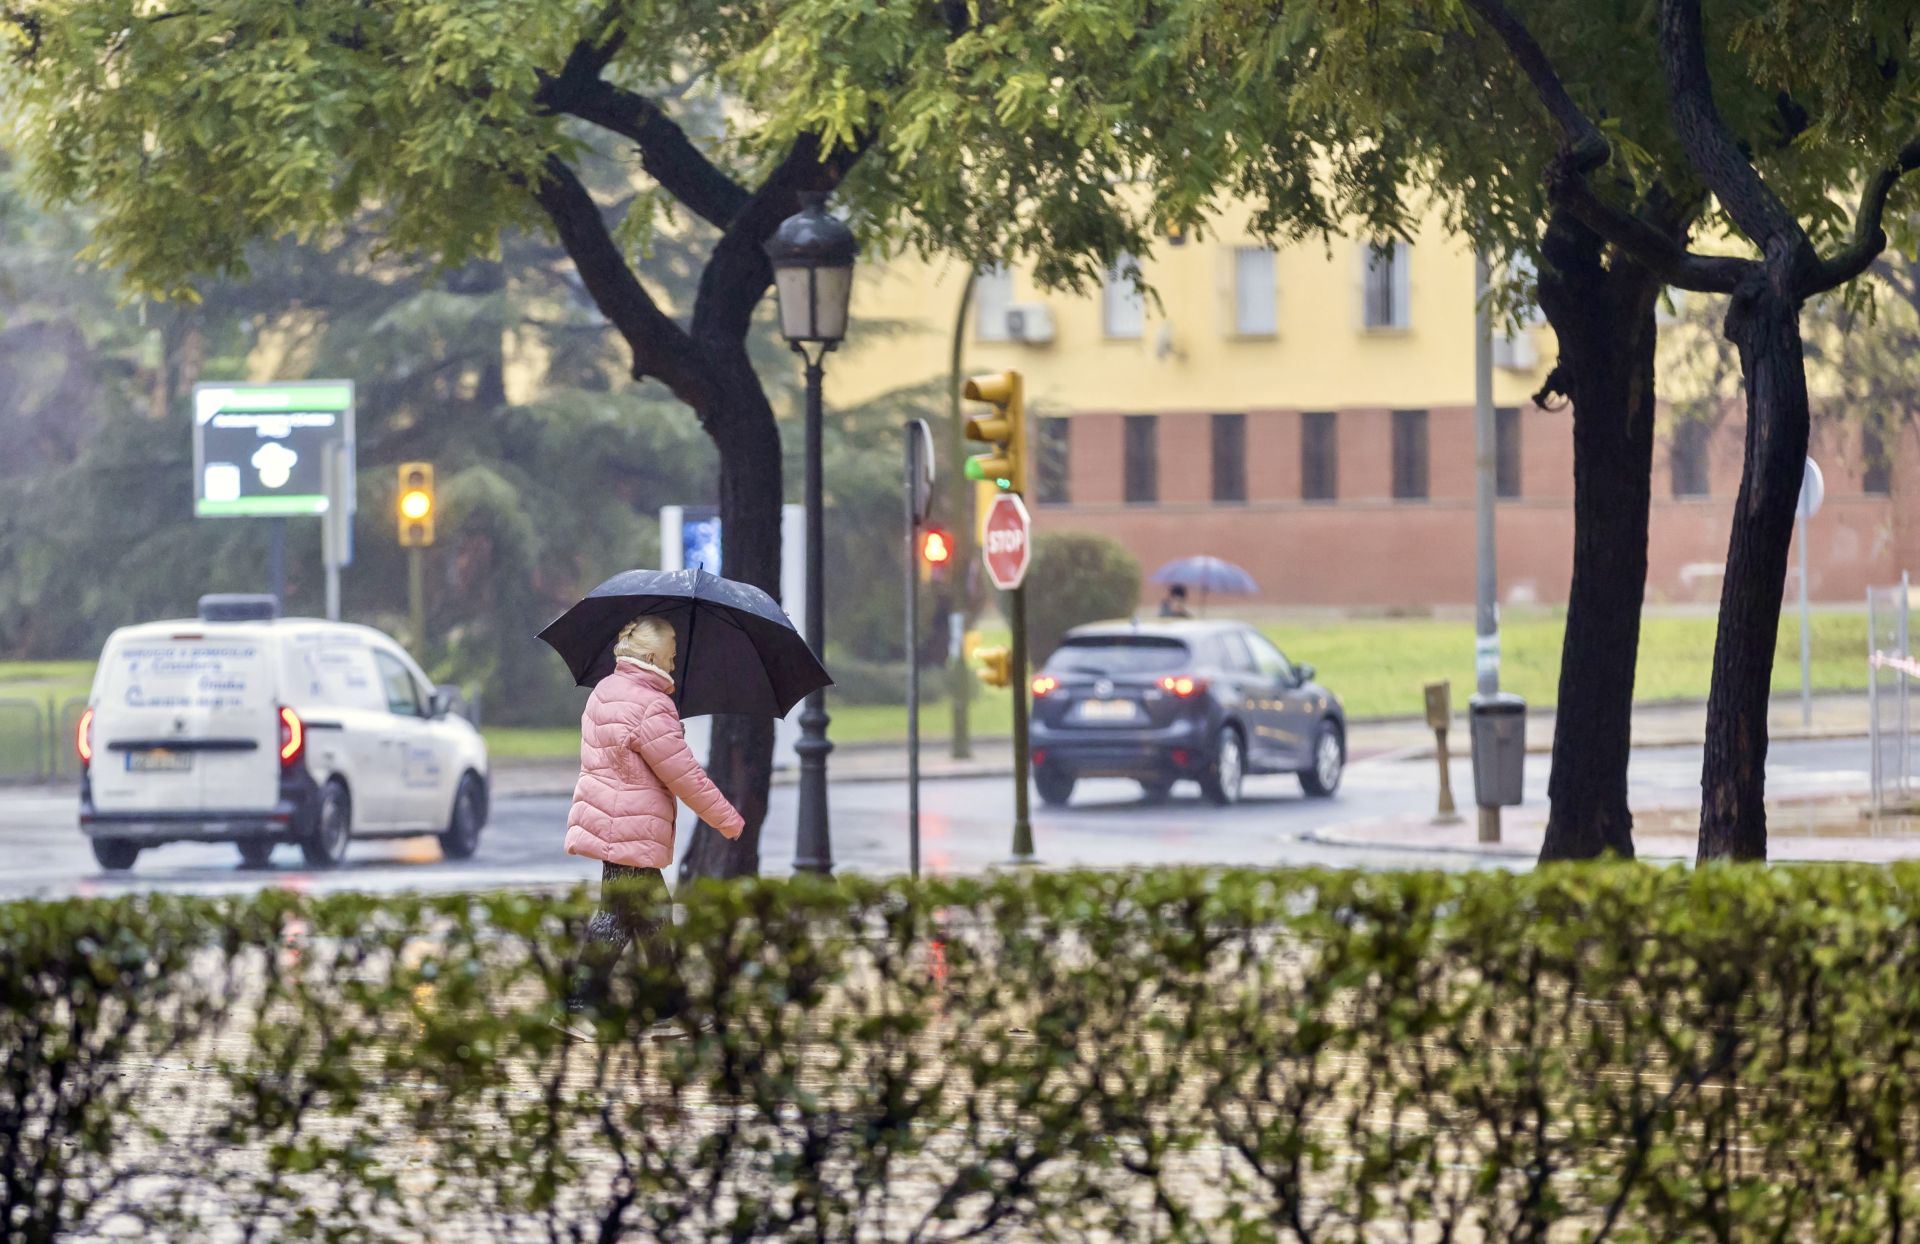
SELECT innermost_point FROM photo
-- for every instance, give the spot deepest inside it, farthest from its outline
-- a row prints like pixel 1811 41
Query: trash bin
pixel 1499 727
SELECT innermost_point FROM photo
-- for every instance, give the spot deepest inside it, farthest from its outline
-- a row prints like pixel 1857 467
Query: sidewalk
pixel 1838 716
pixel 1824 829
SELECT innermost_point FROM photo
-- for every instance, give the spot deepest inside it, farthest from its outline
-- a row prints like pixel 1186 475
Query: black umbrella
pixel 737 649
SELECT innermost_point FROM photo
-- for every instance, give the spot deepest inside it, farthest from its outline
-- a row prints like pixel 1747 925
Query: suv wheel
pixel 462 835
pixel 255 852
pixel 1223 778
pixel 1054 784
pixel 1329 762
pixel 115 854
pixel 325 843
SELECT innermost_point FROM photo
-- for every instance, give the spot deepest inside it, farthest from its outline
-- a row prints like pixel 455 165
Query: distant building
pixel 1308 413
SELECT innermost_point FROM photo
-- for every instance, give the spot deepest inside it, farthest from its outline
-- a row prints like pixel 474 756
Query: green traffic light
pixel 973 471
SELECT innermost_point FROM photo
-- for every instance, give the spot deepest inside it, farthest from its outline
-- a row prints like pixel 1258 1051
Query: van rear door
pixel 186 722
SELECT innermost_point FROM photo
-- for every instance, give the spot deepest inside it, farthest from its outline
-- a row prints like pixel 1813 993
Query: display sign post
pixel 279 450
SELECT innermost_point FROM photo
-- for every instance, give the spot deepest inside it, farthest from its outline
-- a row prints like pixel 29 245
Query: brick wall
pixel 1367 549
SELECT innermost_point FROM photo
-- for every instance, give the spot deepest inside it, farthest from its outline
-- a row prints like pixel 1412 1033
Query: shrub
pixel 1076 577
pixel 1725 1053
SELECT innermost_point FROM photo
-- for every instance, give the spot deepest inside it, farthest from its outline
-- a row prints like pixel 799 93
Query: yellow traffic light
pixel 996 666
pixel 1004 429
pixel 413 504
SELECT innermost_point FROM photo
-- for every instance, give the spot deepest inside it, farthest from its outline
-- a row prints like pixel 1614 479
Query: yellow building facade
pixel 1307 412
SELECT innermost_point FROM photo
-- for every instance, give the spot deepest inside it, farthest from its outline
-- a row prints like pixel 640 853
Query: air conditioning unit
pixel 1516 352
pixel 1030 322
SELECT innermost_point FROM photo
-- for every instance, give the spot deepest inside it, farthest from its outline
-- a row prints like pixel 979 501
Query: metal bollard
pixel 1439 715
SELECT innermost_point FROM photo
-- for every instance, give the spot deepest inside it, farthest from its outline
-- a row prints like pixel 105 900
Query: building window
pixel 1876 476
pixel 1123 310
pixel 1319 457
pixel 1689 457
pixel 1255 295
pixel 1050 466
pixel 1506 451
pixel 992 296
pixel 1143 459
pixel 1229 457
pixel 1410 455
pixel 1387 285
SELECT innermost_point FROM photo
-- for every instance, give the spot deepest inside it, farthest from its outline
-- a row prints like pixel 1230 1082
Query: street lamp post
pixel 812 255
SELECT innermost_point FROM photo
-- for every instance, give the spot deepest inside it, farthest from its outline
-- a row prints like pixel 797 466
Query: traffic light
pixel 996 666
pixel 413 504
pixel 936 552
pixel 1004 429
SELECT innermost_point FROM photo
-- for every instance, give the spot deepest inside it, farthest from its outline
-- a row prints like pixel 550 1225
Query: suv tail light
pixel 83 739
pixel 293 738
pixel 1045 685
pixel 1184 686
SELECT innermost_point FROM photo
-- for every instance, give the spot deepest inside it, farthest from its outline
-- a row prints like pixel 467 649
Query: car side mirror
pixel 441 702
pixel 1305 674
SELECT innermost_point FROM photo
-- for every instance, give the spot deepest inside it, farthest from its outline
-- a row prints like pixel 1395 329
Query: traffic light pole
pixel 913 650
pixel 1022 755
pixel 417 603
pixel 964 525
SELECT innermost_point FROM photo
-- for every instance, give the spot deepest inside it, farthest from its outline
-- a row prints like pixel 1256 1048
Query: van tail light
pixel 83 739
pixel 293 738
pixel 1045 685
pixel 1182 685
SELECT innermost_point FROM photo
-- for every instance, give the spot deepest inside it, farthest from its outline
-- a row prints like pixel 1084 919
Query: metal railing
pixel 36 739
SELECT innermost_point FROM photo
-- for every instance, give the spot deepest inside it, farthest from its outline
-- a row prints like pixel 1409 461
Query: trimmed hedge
pixel 1304 1056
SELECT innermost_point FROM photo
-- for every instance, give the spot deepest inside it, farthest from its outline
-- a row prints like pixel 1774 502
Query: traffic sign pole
pixel 1008 545
pixel 1813 490
pixel 1022 755
pixel 919 495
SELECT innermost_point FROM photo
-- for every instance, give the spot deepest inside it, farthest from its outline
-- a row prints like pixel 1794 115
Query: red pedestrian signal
pixel 936 547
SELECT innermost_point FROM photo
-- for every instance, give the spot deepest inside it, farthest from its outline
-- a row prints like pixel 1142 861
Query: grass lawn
pixel 1376 665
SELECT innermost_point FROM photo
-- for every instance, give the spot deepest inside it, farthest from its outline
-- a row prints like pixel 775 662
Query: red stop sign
pixel 1008 545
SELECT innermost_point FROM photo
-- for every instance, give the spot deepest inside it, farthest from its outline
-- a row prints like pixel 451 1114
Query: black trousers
pixel 635 906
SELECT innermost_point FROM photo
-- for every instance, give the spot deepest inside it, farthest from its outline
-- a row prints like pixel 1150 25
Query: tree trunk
pixel 1604 320
pixel 1764 323
pixel 741 758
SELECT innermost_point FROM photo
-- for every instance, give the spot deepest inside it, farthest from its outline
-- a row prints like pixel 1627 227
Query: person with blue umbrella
pixel 1211 575
pixel 657 646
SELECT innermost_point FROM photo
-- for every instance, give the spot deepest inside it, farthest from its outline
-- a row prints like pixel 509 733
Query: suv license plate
pixel 159 760
pixel 1108 710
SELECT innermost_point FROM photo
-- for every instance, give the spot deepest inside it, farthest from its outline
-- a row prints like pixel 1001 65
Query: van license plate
pixel 1108 710
pixel 159 760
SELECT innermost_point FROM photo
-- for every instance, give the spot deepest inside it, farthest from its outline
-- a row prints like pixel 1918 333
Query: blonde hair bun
pixel 646 639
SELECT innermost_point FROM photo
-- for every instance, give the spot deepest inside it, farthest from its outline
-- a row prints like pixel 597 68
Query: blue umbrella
pixel 738 652
pixel 1208 574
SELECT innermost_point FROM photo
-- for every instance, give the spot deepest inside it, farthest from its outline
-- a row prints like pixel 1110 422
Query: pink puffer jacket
pixel 634 760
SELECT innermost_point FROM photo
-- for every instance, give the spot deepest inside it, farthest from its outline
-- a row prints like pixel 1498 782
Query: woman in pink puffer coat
pixel 634 765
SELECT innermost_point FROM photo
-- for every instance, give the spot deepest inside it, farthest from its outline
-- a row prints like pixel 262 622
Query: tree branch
pixel 1704 135
pixel 660 347
pixel 1583 148
pixel 1652 249
pixel 738 273
pixel 1869 239
pixel 667 154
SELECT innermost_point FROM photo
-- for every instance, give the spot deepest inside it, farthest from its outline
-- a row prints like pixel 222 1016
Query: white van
pixel 245 727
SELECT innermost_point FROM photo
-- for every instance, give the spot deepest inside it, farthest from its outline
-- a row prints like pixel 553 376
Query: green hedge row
pixel 1605 1052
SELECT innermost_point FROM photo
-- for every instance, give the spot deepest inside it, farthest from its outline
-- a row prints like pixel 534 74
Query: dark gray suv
pixel 1159 702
